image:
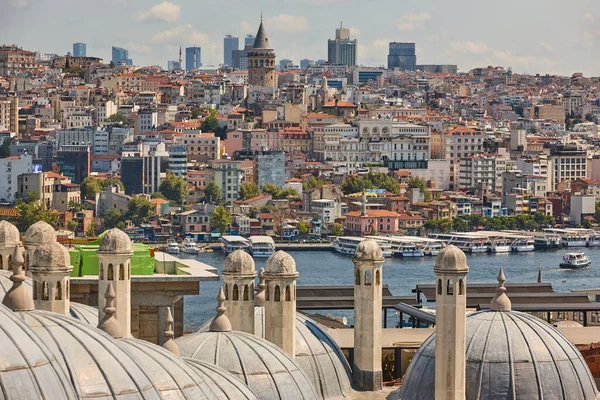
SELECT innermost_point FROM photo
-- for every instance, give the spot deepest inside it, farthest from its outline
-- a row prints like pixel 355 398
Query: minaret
pixel 180 59
pixel 280 301
pixel 451 274
pixel 368 276
pixel 364 204
pixel 195 58
pixel 239 274
pixel 169 335
pixel 50 267
pixel 9 238
pixel 18 297
pixel 114 266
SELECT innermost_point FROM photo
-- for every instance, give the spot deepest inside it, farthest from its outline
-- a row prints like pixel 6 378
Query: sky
pixel 531 36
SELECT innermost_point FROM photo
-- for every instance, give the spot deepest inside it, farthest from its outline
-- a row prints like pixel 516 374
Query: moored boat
pixel 172 247
pixel 261 246
pixel 522 245
pixel 575 260
pixel 190 247
pixel 229 244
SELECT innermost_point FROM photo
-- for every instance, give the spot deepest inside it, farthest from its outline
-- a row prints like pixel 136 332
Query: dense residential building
pixel 342 50
pixel 481 173
pixel 44 183
pixel 402 55
pixel 14 60
pixel 201 147
pixel 178 160
pixel 229 176
pixel 270 168
pixel 10 169
pixel 567 163
pixel 9 113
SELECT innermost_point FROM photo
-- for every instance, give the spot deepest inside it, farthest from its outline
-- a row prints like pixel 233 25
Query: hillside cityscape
pixel 126 187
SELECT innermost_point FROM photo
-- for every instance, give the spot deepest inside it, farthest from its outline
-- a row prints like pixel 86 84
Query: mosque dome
pixel 508 355
pixel 239 263
pixel 171 376
pixel 368 249
pixel 9 234
pixel 38 233
pixel 82 312
pixel 222 383
pixel 451 258
pixel 51 256
pixel 280 263
pixel 115 241
pixel 317 354
pixel 265 368
pixel 28 369
pixel 93 361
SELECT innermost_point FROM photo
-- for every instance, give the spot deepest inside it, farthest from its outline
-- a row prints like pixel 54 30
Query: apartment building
pixel 10 169
pixel 516 182
pixel 9 113
pixel 201 147
pixel 567 163
pixel 229 176
pixel 482 173
pixel 43 183
pixel 462 142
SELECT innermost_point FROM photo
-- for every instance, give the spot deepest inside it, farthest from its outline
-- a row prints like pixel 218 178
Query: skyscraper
pixel 173 65
pixel 342 50
pixel 305 63
pixel 121 54
pixel 189 58
pixel 79 50
pixel 402 55
pixel 230 43
pixel 249 40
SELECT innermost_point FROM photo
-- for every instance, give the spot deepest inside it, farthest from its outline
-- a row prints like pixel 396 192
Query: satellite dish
pixel 344 320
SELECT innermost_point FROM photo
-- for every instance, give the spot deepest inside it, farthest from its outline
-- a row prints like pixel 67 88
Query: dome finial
pixel 169 343
pixel 18 298
pixel 500 302
pixel 109 323
pixel 220 323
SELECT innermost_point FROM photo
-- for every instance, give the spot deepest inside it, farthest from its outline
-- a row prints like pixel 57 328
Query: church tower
pixel 261 61
pixel 239 275
pixel 450 330
pixel 368 274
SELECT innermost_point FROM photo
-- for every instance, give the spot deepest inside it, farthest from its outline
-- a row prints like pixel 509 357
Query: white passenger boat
pixel 500 246
pixel 522 245
pixel 575 261
pixel 348 245
pixel 172 247
pixel 476 246
pixel 593 239
pixel 261 246
pixel 547 241
pixel 229 244
pixel 571 237
pixel 433 247
pixel 190 247
pixel 408 250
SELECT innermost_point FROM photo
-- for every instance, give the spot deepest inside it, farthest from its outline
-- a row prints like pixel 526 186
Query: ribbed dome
pixel 115 241
pixel 510 355
pixel 170 374
pixel 451 258
pixel 96 365
pixel 317 354
pixel 9 234
pixel 368 249
pixel 239 263
pixel 264 367
pixel 223 384
pixel 280 263
pixel 50 257
pixel 38 233
pixel 28 369
pixel 82 312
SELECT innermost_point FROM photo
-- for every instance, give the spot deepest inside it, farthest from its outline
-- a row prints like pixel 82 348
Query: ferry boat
pixel 522 245
pixel 469 243
pixel 499 246
pixel 433 247
pixel 475 246
pixel 261 246
pixel 571 237
pixel 172 247
pixel 190 247
pixel 593 239
pixel 547 241
pixel 348 244
pixel 575 260
pixel 229 244
pixel 408 250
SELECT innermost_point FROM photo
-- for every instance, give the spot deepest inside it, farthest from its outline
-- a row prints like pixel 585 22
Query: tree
pixel 302 228
pixel 419 183
pixel 271 189
pixel 111 64
pixel 220 219
pixel 253 212
pixel 338 230
pixel 140 210
pixel 590 117
pixel 174 188
pixel 210 124
pixel 91 230
pixel 90 186
pixel 288 192
pixel 112 218
pixel 5 148
pixel 33 212
pixel 459 225
pixel 313 182
pixel 72 225
pixel 118 119
pixel 74 207
pixel 249 190
pixel 431 225
pixel 371 180
pixel 196 112
pixel 213 193
pixel 157 195
pixel 32 195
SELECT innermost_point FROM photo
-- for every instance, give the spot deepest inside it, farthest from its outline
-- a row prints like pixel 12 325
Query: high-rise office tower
pixel 249 40
pixel 305 63
pixel 230 43
pixel 120 54
pixel 173 65
pixel 189 58
pixel 342 50
pixel 79 50
pixel 402 55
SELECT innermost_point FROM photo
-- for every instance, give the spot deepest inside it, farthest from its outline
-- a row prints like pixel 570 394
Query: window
pixel 450 287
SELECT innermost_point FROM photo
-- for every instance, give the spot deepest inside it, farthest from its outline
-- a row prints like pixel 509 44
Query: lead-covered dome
pixel 115 241
pixel 93 361
pixel 50 257
pixel 38 233
pixel 28 369
pixel 368 249
pixel 223 384
pixel 509 355
pixel 9 234
pixel 280 263
pixel 265 368
pixel 239 263
pixel 451 258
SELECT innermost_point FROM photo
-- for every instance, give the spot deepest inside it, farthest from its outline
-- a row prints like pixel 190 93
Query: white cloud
pixel 524 63
pixel 437 37
pixel 411 22
pixel 248 27
pixel 19 3
pixel 467 47
pixel 165 11
pixel 381 43
pixel 354 32
pixel 182 33
pixel 139 48
pixel 288 23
